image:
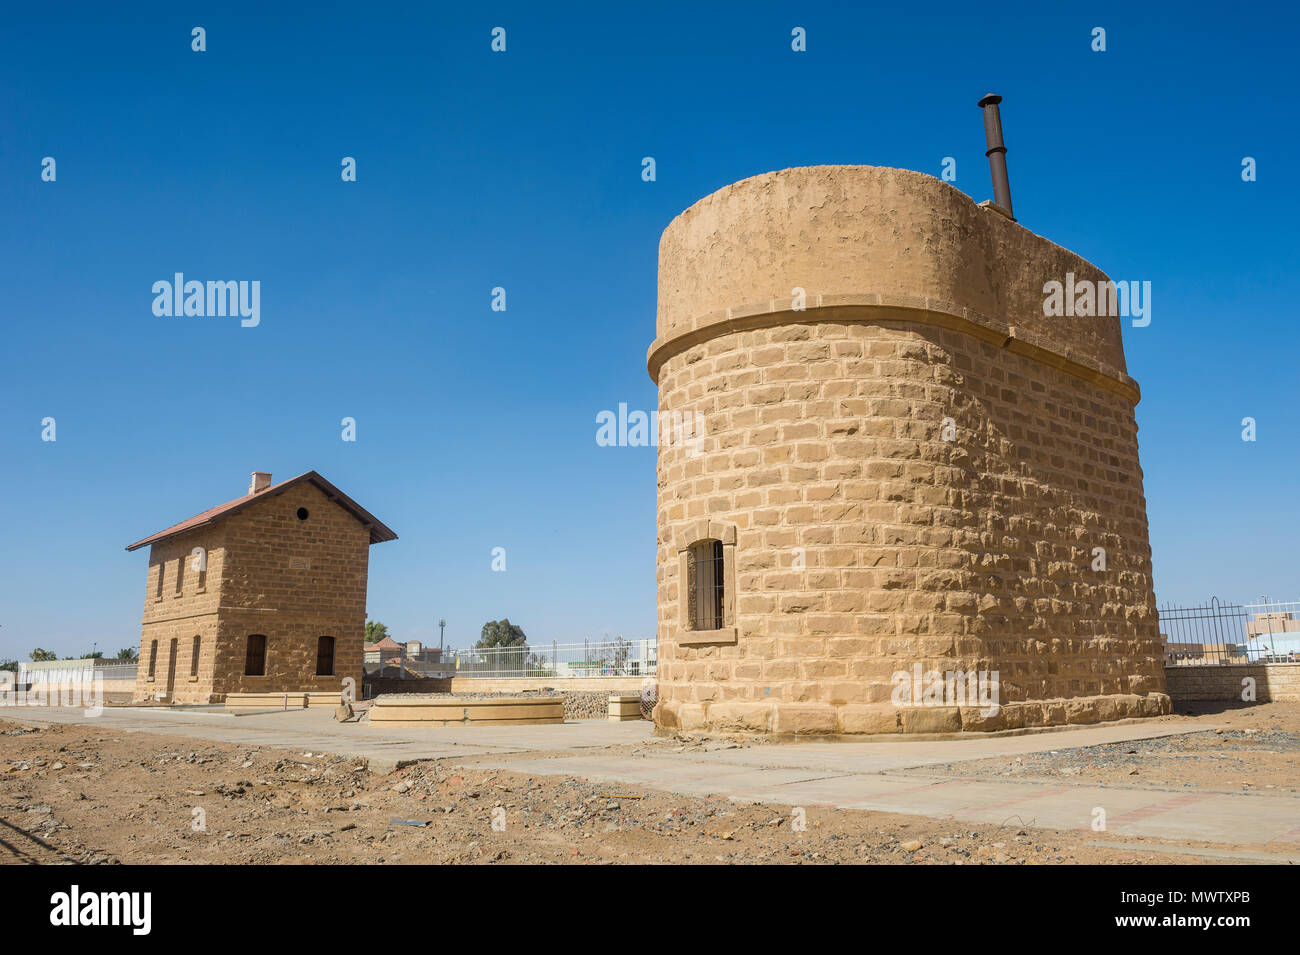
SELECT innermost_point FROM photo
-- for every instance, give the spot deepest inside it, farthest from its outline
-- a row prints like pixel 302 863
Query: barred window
pixel 255 659
pixel 706 585
pixel 325 656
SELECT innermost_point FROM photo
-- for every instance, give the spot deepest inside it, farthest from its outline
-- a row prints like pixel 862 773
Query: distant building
pixel 265 593
pixel 385 657
pixel 1274 637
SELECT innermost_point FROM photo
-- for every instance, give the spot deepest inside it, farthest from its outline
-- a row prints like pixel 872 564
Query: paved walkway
pixel 847 775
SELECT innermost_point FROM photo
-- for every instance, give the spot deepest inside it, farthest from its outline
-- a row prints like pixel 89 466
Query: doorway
pixel 171 671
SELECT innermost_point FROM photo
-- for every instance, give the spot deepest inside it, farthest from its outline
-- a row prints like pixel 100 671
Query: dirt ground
pixel 1254 748
pixel 79 794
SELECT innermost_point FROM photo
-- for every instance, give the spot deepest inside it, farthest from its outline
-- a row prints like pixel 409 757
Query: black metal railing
pixel 1221 633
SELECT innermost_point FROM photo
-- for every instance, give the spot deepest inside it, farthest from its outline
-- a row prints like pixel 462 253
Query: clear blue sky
pixel 476 429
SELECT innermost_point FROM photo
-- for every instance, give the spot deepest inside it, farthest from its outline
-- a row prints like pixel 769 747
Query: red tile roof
pixel 386 643
pixel 378 531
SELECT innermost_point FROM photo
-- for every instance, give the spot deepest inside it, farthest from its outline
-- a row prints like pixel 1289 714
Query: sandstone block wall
pixel 174 615
pixel 268 573
pixel 1271 681
pixel 865 542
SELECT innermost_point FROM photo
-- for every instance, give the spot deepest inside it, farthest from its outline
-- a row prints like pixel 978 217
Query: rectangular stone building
pixel 265 593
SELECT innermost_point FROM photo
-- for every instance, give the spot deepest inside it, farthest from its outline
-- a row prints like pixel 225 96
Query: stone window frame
pixel 690 535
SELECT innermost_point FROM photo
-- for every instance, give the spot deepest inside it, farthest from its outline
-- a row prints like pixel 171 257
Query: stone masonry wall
pixel 970 554
pixel 294 581
pixel 270 573
pixel 180 614
pixel 1272 681
pixel 823 322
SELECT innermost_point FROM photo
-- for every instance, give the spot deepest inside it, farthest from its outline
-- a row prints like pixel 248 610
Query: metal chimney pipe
pixel 997 152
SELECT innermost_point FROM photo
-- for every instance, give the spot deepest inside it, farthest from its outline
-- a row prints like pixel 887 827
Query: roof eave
pixel 378 530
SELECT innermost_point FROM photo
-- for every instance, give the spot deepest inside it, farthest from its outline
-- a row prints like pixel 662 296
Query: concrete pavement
pixel 845 775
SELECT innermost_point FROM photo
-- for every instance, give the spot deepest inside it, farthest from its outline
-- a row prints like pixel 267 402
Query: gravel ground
pixel 80 794
pixel 1254 749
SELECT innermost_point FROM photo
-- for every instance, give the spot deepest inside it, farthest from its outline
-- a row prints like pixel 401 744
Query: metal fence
pixel 1217 633
pixel 617 657
pixel 118 671
pixel 75 674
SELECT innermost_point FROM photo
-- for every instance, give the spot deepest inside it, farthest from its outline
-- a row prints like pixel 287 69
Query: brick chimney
pixel 261 481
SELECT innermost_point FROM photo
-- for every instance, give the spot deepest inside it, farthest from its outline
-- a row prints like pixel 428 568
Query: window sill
pixel 688 638
pixel 192 679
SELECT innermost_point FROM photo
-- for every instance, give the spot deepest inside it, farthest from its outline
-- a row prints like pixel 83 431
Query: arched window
pixel 325 656
pixel 707 588
pixel 707 583
pixel 153 650
pixel 255 658
pixel 194 656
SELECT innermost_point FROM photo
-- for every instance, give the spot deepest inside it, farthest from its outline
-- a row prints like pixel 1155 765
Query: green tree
pixel 10 665
pixel 127 653
pixel 375 631
pixel 38 655
pixel 501 633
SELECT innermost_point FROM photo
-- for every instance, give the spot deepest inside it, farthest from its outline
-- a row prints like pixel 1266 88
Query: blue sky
pixel 476 429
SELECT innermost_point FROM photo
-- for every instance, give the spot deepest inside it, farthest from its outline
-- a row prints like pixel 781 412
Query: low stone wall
pixel 387 684
pixel 281 701
pixel 1272 681
pixel 114 691
pixel 578 705
pixel 415 711
pixel 585 705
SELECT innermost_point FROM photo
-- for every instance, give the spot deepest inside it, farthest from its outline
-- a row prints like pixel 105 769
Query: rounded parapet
pixel 870 243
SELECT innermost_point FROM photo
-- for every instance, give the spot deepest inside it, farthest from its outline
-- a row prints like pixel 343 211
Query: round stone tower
pixel 894 495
